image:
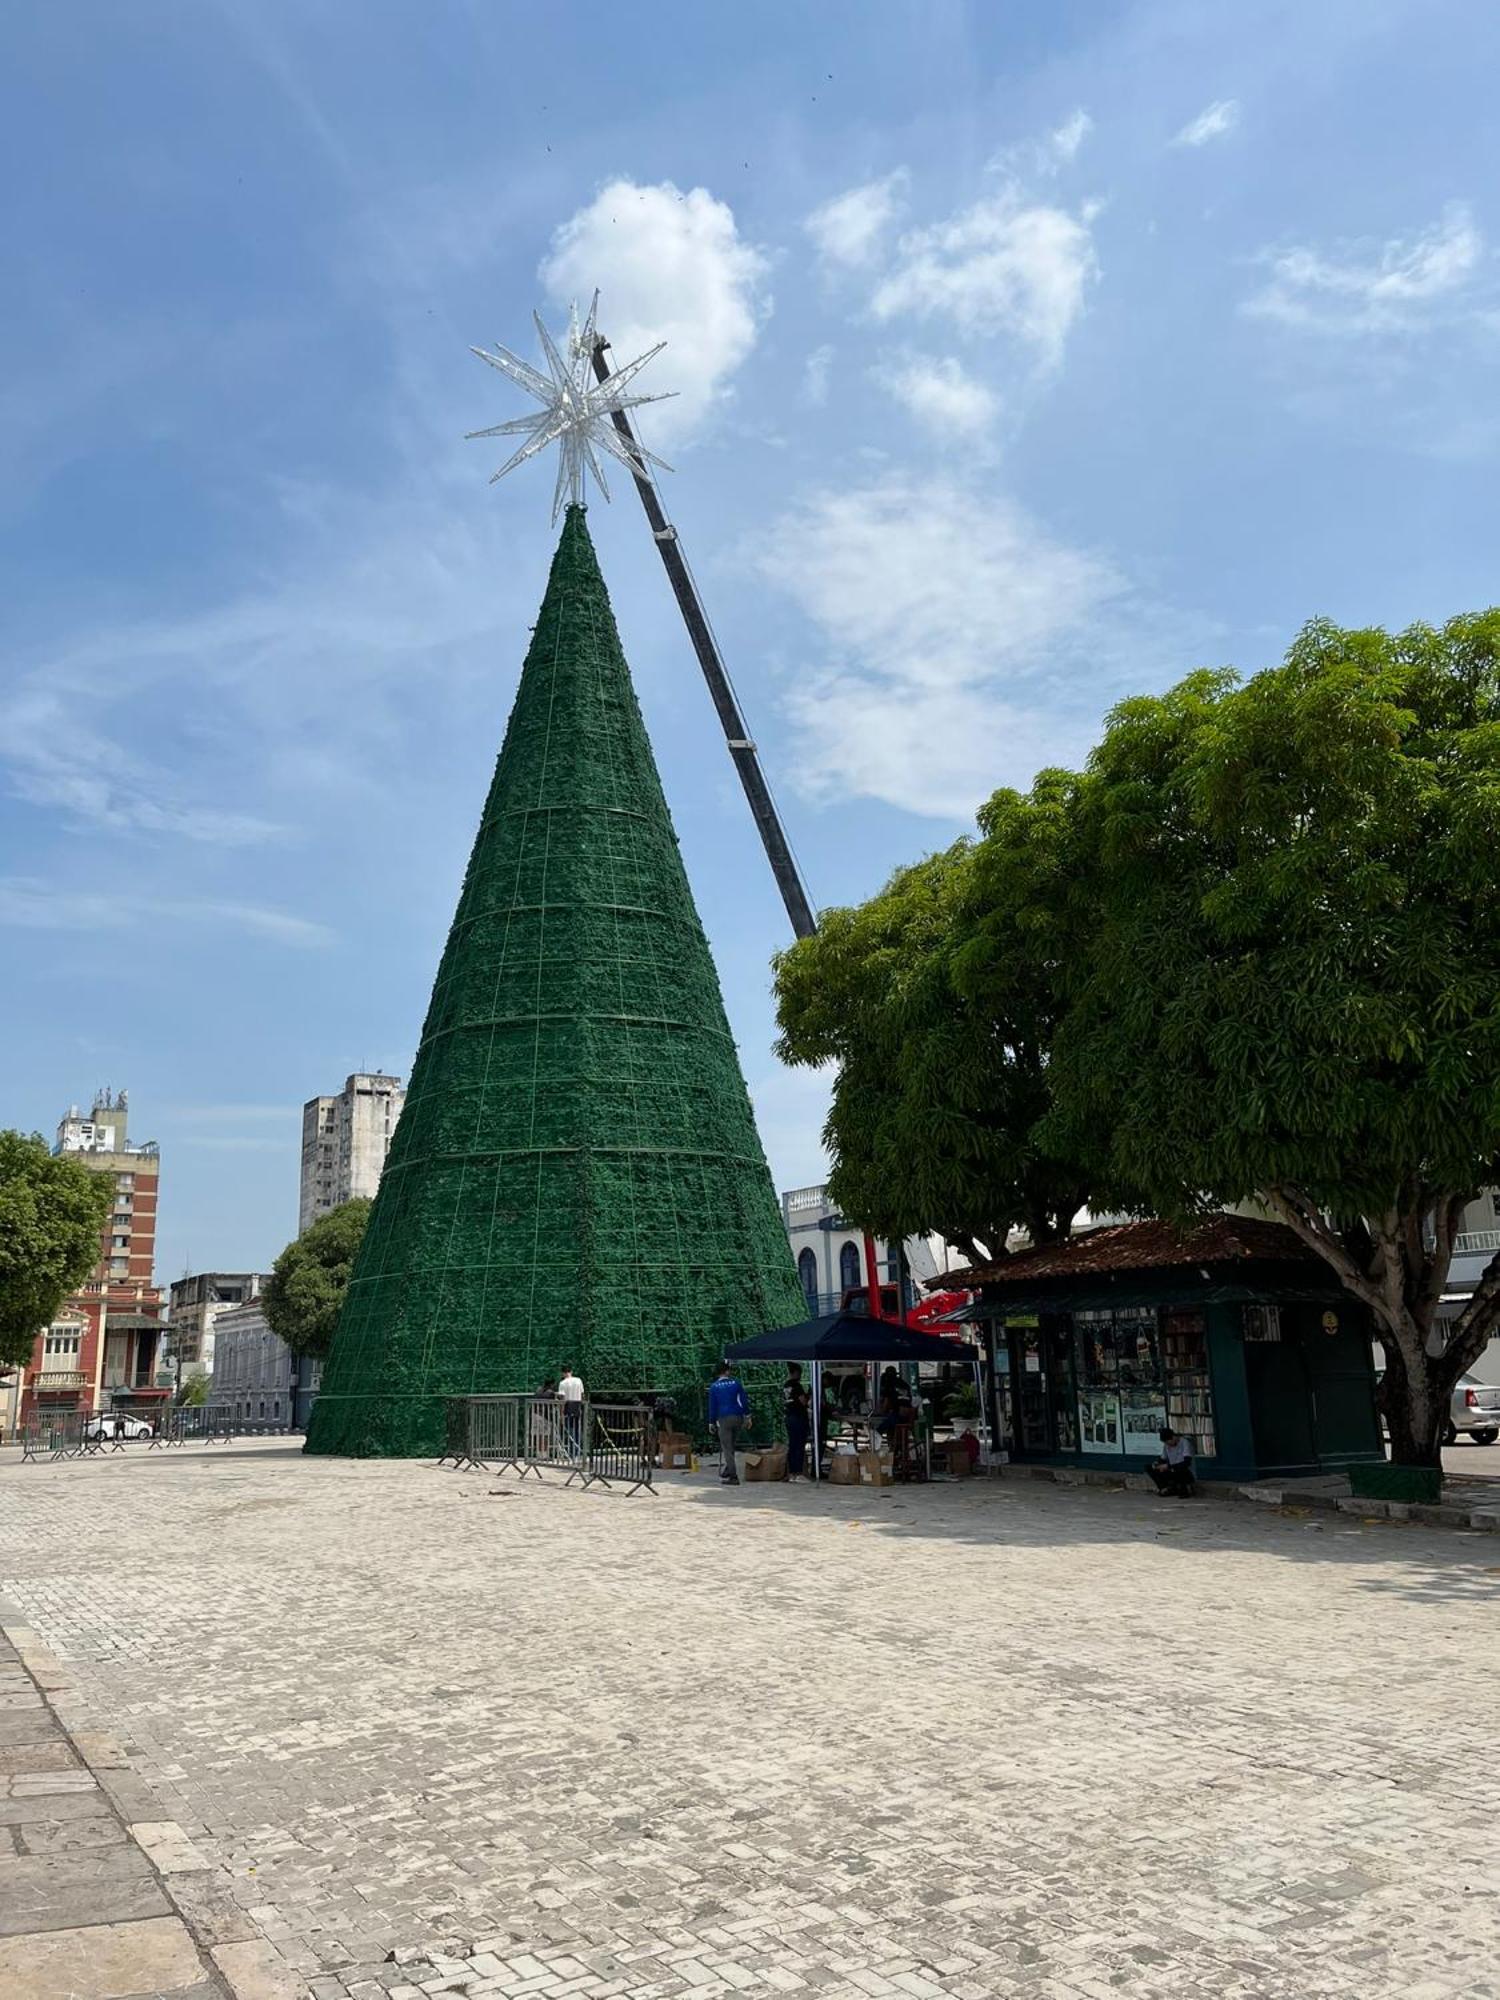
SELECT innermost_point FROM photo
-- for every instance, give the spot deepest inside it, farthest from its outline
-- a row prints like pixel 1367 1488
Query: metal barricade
pixel 62 1436
pixel 604 1444
pixel 496 1436
pixel 621 1439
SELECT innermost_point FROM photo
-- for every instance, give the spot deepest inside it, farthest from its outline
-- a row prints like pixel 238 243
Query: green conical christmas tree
pixel 576 1176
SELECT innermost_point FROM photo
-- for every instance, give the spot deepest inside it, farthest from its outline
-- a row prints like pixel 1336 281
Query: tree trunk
pixel 1414 1414
pixel 1399 1274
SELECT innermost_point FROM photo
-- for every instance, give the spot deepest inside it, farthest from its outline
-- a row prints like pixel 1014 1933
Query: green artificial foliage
pixel 576 1176
pixel 52 1211
pixel 304 1295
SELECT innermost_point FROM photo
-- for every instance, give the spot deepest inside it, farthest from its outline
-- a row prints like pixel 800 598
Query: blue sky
pixel 1028 356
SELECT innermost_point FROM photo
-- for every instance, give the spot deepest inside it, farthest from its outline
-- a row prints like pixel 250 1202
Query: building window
pixel 60 1344
pixel 119 1267
pixel 849 1274
pixel 121 1242
pixel 807 1272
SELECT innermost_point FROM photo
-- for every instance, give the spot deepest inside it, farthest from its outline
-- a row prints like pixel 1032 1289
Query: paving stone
pixel 900 1742
pixel 170 1850
pixel 64 1892
pixel 56 1755
pixel 53 1806
pixel 102 1962
pixel 69 1836
pixel 32 1724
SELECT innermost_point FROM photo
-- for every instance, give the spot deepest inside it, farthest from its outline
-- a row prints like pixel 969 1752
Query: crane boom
pixel 762 806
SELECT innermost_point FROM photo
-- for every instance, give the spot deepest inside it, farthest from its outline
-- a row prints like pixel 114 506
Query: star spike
pixel 577 412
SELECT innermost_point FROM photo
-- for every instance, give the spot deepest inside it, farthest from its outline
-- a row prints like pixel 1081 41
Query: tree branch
pixel 1478 1320
pixel 1307 1221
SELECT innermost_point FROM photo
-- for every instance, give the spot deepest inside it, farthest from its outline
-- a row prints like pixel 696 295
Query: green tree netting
pixel 576 1176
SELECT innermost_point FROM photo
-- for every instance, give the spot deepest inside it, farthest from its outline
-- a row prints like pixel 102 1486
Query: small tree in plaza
pixel 305 1292
pixel 1294 989
pixel 52 1210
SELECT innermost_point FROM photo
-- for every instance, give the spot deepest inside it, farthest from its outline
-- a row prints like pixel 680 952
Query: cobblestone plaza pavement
pixel 994 1738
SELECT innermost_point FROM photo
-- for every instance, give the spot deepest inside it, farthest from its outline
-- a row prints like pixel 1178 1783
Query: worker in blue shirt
pixel 728 1407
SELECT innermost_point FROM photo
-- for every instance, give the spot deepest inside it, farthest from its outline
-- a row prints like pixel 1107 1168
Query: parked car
pixel 115 1423
pixel 1475 1411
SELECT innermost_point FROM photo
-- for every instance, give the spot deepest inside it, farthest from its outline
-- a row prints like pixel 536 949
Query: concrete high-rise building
pixel 101 1349
pixel 344 1143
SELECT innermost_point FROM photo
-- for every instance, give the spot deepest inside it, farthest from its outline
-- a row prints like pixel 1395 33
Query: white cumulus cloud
pixel 29 904
pixel 940 393
pixel 1010 262
pixel 1211 123
pixel 953 627
pixel 849 232
pixel 668 266
pixel 1396 286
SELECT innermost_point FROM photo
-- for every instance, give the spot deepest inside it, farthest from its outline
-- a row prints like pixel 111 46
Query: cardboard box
pixel 844 1469
pixel 765 1464
pixel 675 1449
pixel 875 1468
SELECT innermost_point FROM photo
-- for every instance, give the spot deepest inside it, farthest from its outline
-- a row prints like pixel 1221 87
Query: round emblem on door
pixel 1330 1322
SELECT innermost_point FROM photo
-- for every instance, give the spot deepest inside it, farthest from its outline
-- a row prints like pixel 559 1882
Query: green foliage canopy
pixel 52 1212
pixel 305 1292
pixel 1252 953
pixel 938 999
pixel 1293 992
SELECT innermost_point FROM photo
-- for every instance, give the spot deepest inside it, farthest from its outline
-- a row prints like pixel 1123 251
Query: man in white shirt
pixel 1173 1471
pixel 570 1395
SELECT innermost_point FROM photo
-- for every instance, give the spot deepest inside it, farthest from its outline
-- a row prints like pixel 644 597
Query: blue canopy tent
pixel 852 1336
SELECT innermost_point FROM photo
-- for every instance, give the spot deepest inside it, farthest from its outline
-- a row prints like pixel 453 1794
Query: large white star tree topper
pixel 577 412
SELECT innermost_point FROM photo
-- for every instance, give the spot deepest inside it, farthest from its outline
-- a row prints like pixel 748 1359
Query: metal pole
pixel 741 749
pixel 817 1421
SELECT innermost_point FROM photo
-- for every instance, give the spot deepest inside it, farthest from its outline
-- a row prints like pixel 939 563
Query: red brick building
pixel 100 1351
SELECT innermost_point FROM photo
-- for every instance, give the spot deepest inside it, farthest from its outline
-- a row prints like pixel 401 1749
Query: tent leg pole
pixel 817 1421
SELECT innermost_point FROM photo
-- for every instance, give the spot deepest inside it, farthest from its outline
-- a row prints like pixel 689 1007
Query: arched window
pixel 807 1271
pixel 850 1276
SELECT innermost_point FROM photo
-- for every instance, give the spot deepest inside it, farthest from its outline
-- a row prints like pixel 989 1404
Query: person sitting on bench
pixel 1173 1471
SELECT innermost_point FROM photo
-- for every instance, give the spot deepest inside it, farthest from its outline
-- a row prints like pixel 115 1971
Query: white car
pixel 115 1423
pixel 1474 1411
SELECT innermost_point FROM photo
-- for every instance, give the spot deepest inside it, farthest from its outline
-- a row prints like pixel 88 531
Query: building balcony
pixel 51 1381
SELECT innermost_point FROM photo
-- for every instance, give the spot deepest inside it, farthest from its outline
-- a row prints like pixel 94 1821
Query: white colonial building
pixel 830 1253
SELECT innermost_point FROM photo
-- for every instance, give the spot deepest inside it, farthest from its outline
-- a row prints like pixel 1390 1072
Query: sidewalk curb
pixel 235 1957
pixel 1443 1514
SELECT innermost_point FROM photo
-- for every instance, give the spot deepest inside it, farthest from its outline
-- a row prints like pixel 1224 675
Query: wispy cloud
pixel 815 371
pixel 230 1114
pixel 1010 263
pixel 28 904
pixel 1211 123
pixel 1399 286
pixel 951 622
pixel 940 393
pixel 849 232
pixel 233 1142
